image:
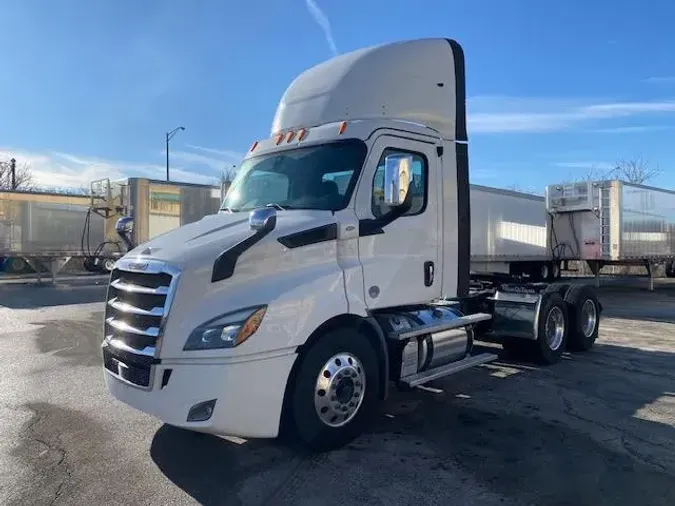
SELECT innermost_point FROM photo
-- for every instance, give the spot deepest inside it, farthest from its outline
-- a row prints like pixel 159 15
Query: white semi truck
pixel 338 264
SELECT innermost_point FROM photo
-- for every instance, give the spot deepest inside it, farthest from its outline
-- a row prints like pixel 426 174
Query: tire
pixel 559 288
pixel 584 319
pixel 557 271
pixel 107 265
pixel 670 269
pixel 541 271
pixel 516 348
pixel 346 414
pixel 15 265
pixel 553 315
pixel 88 264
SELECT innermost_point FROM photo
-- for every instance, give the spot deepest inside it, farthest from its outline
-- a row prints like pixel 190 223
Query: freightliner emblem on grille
pixel 138 266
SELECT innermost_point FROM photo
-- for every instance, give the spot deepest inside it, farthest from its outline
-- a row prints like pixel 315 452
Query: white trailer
pixel 612 222
pixel 509 235
pixel 338 264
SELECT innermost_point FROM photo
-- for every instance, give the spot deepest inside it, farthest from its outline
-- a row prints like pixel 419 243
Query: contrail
pixel 322 20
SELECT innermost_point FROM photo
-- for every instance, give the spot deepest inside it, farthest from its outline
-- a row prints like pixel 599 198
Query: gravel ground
pixel 597 429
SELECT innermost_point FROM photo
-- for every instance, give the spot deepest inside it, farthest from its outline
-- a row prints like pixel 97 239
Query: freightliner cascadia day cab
pixel 337 266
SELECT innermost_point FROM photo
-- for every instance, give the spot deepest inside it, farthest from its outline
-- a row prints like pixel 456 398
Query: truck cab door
pixel 401 259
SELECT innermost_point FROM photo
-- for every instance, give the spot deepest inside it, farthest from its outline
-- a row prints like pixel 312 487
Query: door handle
pixel 428 273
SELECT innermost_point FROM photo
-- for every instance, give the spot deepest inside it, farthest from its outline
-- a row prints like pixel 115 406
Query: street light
pixel 169 136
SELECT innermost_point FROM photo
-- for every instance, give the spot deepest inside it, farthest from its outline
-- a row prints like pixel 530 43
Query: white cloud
pixel 633 129
pixel 322 20
pixel 659 80
pixel 509 114
pixel 197 159
pixel 230 155
pixel 56 169
pixel 585 165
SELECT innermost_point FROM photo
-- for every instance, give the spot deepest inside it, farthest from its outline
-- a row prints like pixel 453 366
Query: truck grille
pixel 139 297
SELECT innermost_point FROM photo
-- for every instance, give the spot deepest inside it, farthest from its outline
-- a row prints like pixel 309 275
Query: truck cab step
pixel 446 370
pixel 462 321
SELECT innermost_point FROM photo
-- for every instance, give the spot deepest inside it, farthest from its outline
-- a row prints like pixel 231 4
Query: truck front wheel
pixel 335 390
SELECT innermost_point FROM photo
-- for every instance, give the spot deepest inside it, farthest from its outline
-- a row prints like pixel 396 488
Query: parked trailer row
pixel 48 229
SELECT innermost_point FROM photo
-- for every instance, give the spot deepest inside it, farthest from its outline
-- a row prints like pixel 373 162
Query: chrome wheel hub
pixel 339 389
pixel 589 318
pixel 555 328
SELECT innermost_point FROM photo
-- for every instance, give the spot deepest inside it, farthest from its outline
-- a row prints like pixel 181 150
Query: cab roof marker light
pixel 342 127
pixel 301 134
pixel 253 146
pixel 291 136
pixel 278 138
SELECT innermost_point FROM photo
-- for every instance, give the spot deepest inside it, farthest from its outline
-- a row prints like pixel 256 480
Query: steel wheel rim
pixel 339 390
pixel 555 328
pixel 589 317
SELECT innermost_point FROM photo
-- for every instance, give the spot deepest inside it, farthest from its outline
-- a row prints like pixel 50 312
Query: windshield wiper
pixel 277 206
pixel 228 210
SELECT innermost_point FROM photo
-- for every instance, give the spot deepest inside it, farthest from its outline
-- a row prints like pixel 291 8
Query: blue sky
pixel 88 88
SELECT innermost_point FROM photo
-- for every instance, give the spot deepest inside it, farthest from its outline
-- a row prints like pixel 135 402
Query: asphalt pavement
pixel 597 429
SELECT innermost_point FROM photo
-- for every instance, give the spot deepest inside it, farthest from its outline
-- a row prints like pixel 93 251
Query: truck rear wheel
pixel 335 390
pixel 584 317
pixel 552 328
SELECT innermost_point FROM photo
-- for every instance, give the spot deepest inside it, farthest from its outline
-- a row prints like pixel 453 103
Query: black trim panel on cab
pixel 462 165
pixel 310 236
pixel 223 267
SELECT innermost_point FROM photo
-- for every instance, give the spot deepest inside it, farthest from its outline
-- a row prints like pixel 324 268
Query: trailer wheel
pixel 584 317
pixel 107 265
pixel 552 328
pixel 670 269
pixel 335 390
pixel 15 265
pixel 88 264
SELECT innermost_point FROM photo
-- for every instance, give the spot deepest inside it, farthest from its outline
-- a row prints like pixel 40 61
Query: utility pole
pixel 169 136
pixel 12 171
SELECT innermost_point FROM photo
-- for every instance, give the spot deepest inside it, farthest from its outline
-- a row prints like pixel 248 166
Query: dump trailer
pixel 509 235
pixel 44 229
pixel 338 265
pixel 612 222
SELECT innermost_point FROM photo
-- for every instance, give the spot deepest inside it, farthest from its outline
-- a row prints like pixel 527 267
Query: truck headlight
pixel 226 331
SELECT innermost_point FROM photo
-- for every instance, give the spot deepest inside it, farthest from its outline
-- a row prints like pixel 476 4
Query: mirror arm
pixel 372 226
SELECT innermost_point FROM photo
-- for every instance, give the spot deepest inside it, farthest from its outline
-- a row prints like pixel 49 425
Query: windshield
pixel 314 177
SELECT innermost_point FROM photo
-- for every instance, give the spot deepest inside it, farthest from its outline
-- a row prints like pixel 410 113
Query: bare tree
pixel 22 177
pixel 636 170
pixel 596 173
pixel 227 175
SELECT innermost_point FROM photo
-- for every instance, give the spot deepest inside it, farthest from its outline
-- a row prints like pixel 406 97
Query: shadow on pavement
pixel 32 296
pixel 566 434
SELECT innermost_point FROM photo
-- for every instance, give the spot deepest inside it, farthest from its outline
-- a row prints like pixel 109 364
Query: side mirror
pixel 124 225
pixel 397 179
pixel 262 217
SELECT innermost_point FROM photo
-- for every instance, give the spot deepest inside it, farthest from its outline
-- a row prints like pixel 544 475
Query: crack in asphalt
pixel 623 435
pixel 58 471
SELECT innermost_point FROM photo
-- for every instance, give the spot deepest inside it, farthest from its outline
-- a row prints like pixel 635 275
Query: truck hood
pixel 203 240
